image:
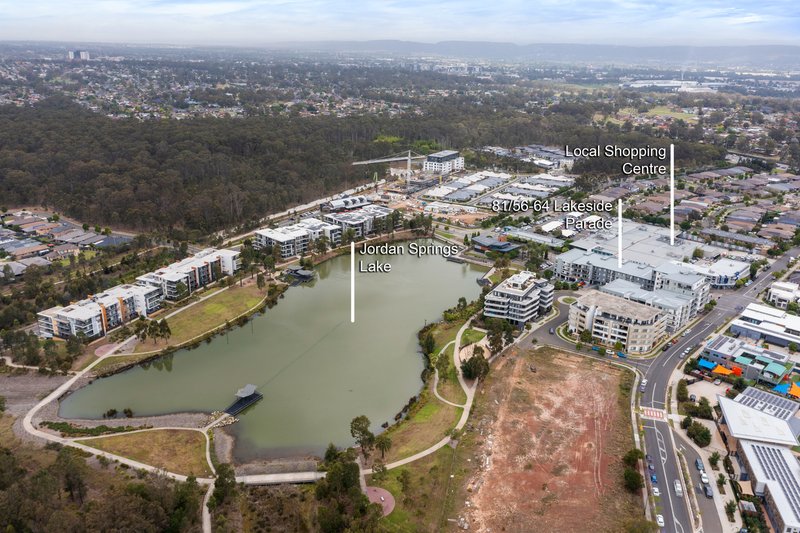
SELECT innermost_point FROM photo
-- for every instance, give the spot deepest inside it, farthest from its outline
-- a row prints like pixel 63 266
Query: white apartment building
pixel 782 293
pixel 297 238
pixel 611 319
pixel 774 326
pixel 193 272
pixel 361 221
pixel 519 299
pixel 677 308
pixel 444 162
pixel 680 279
pixel 96 315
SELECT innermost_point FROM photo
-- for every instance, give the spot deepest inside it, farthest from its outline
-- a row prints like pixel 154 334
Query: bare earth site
pixel 551 443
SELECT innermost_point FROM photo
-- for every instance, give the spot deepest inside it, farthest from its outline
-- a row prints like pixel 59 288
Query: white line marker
pixel 619 233
pixel 352 282
pixel 672 195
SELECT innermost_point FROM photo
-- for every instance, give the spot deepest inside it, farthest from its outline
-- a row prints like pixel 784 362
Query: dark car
pixel 709 492
pixel 648 457
pixel 665 347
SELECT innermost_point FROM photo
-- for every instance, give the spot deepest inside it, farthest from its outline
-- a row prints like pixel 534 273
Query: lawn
pixel 206 315
pixel 445 332
pixel 471 336
pixel 667 112
pixel 449 388
pixel 447 235
pixel 429 422
pixel 176 450
pixel 569 300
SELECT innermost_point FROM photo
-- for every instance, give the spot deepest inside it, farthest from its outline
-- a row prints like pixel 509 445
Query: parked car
pixel 703 477
pixel 656 492
pixel 653 479
pixel 698 462
pixel 692 398
pixel 665 347
pixel 644 381
pixel 648 457
pixel 642 388
pixel 660 520
pixel 709 492
pixel 717 381
pixel 651 467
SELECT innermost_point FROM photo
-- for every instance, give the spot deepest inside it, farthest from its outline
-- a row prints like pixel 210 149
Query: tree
pixel 164 330
pixel 686 422
pixel 383 443
pixel 224 485
pixel 140 329
pixel 698 253
pixel 260 281
pixel 683 391
pixel 632 480
pixel 585 336
pixel 359 430
pixel 714 459
pixel 153 330
pixel 181 291
pixel 476 367
pixel 699 434
pixel 71 469
pixel 721 479
pixel 633 456
pixel 730 508
pixel 428 343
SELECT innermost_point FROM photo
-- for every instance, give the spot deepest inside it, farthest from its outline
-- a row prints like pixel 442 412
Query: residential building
pixel 444 162
pixel 677 308
pixel 193 272
pixel 519 299
pixel 782 293
pixel 361 221
pixel 297 238
pixel 682 279
pixel 747 360
pixel 97 315
pixel 611 319
pixel 774 326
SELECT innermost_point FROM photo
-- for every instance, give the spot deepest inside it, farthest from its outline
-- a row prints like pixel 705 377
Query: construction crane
pixel 407 156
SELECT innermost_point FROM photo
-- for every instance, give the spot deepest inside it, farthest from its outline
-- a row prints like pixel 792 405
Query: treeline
pixel 60 493
pixel 206 174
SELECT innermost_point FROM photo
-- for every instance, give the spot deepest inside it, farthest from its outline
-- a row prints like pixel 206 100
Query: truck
pixel 678 488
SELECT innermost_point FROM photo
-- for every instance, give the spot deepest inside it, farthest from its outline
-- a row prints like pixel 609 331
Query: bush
pixel 701 410
pixel 683 391
pixel 475 367
pixel 699 434
pixel 632 479
pixel 632 457
pixel 686 422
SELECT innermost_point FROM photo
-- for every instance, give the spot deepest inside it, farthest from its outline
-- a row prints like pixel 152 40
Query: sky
pixel 264 22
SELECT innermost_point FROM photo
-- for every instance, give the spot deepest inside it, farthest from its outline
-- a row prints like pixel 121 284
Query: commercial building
pixel 350 202
pixel 193 272
pixel 297 238
pixel 782 293
pixel 740 421
pixel 774 326
pixel 611 319
pixel 444 162
pixel 96 315
pixel 747 360
pixel 519 299
pixel 490 244
pixel 774 475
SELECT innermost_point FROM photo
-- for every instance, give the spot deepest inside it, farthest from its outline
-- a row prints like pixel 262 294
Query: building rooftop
pixel 617 306
pixel 745 422
pixel 777 467
pixel 658 298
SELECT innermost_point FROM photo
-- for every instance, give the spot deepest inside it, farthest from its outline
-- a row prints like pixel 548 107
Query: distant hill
pixel 774 56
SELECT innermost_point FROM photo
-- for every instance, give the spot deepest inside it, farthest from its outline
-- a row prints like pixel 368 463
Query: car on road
pixel 678 488
pixel 709 492
pixel 656 492
pixel 653 479
pixel 644 382
pixel 703 478
pixel 697 462
pixel 717 381
pixel 660 520
pixel 642 388
pixel 552 331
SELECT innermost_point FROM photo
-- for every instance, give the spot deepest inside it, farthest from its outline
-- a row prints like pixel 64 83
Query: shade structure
pixel 783 388
pixel 795 390
pixel 719 369
pixel 706 364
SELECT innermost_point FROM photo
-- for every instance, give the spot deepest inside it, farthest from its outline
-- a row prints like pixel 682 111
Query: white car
pixel 660 520
pixel 703 477
pixel 644 383
pixel 656 492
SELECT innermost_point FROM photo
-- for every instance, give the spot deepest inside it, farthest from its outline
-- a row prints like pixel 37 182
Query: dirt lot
pixel 550 447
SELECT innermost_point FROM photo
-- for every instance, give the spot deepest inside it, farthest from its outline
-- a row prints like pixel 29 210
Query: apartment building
pixel 98 314
pixel 361 221
pixel 519 299
pixel 444 162
pixel 612 319
pixel 599 267
pixel 680 279
pixel 677 308
pixel 193 272
pixel 297 238
pixel 782 293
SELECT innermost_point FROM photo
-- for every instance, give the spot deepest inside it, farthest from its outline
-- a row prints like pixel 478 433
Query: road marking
pixel 651 412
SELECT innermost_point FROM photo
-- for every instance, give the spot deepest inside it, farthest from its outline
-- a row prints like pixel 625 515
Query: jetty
pixel 245 397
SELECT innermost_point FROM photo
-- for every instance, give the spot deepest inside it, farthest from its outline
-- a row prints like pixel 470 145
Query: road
pixel 657 370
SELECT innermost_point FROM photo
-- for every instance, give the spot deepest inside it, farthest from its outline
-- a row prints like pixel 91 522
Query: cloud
pixel 637 22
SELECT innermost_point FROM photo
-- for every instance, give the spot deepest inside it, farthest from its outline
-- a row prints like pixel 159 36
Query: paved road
pixel 708 510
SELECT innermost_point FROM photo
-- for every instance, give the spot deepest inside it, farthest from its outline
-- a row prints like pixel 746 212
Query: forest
pixel 202 175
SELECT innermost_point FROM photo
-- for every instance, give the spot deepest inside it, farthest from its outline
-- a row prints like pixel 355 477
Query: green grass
pixel 471 336
pixel 447 235
pixel 569 300
pixel 666 111
pixel 68 430
pixel 206 315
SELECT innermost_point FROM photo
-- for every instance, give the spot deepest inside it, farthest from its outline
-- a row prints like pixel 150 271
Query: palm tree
pixel 383 443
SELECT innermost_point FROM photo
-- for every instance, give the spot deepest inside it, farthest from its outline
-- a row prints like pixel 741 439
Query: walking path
pixel 12 364
pixel 436 381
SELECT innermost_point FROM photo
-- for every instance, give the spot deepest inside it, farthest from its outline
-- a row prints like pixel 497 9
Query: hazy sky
pixel 231 22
